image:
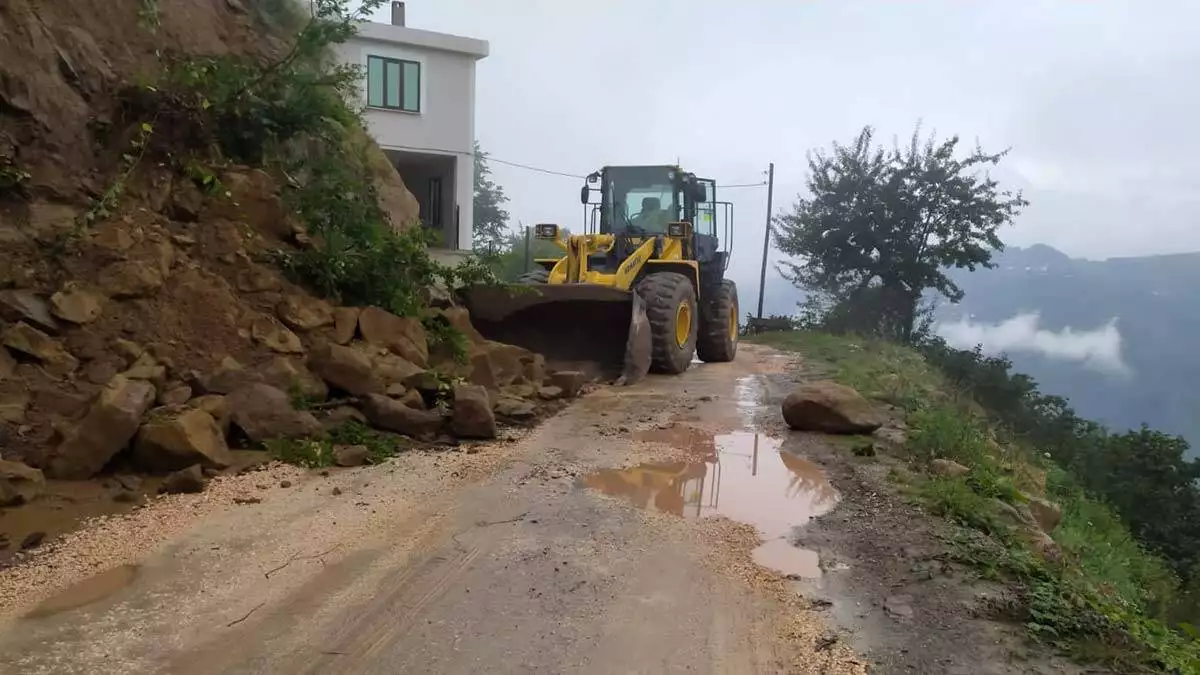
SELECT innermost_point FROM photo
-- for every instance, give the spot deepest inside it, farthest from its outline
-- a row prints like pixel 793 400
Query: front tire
pixel 718 340
pixel 671 308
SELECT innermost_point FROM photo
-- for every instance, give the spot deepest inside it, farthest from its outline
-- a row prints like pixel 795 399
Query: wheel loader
pixel 642 289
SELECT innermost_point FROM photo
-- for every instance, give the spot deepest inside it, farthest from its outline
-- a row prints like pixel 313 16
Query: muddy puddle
pixel 743 476
pixel 92 589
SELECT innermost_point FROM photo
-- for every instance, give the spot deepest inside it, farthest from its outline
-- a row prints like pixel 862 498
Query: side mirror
pixel 699 193
pixel 585 194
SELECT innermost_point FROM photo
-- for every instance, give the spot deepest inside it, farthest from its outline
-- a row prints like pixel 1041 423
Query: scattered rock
pixel 569 381
pixel 899 606
pixel 1017 517
pixel 146 367
pixel 830 408
pixel 100 371
pixel 391 415
pixel 264 412
pixel 60 401
pixel 1046 513
pixel 423 380
pixel 514 408
pixel 185 481
pixel 27 306
pixel 288 375
pixel 520 390
pixel 473 416
pixel 508 362
pixel 340 415
pixel 413 399
pixel 344 368
pixel 19 483
pixel 1045 546
pixel 390 369
pixel 351 455
pixel 534 368
pixel 483 372
pixel 33 540
pixel 176 441
pixel 13 406
pixel 77 304
pixel 176 395
pixel 891 437
pixel 336 491
pixel 247 500
pixel 304 312
pixel 345 324
pixel 131 279
pixel 22 337
pixel 285 483
pixel 257 279
pixel 401 335
pixel 108 426
pixel 216 406
pixel 226 377
pixel 550 393
pixel 275 336
pixel 948 468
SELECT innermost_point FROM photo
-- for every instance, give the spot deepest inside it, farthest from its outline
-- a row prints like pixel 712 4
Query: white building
pixel 420 97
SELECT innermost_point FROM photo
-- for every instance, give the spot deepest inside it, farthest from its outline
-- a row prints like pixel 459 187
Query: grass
pixel 1104 599
pixel 314 454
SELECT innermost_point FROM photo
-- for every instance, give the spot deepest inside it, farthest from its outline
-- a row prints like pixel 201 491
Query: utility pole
pixel 528 248
pixel 762 275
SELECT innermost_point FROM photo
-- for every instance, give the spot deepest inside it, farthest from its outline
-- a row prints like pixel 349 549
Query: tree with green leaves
pixel 490 232
pixel 880 227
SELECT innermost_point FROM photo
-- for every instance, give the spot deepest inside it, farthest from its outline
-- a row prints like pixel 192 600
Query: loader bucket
pixel 600 330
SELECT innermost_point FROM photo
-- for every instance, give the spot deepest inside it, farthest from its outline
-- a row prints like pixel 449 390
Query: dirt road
pixel 584 546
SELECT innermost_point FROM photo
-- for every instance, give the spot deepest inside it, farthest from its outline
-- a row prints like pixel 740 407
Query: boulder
pixel 569 381
pixel 550 393
pixel 351 455
pixel 216 406
pixel 948 468
pixel 424 380
pixel 76 304
pixel 13 405
pixel 534 369
pixel 1046 513
pixel 178 394
pixel 185 481
pixel 108 426
pixel 8 365
pixel 1045 546
pixel 516 409
pixel 304 312
pixel 253 199
pixel 483 372
pixel 22 337
pixel 257 279
pixel 345 324
pixel 275 336
pixel 520 390
pixel 341 416
pixel 507 361
pixel 287 374
pixel 461 320
pixel 60 401
pixel 19 483
pixel 131 279
pixel 344 368
pixel 473 416
pixel 391 369
pixel 27 306
pixel 413 399
pixel 830 408
pixel 179 439
pixel 400 334
pixel 226 377
pixel 392 415
pixel 264 412
pixel 146 367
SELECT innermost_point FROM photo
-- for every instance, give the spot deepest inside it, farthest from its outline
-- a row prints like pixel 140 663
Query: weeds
pixel 314 454
pixel 13 178
pixel 149 15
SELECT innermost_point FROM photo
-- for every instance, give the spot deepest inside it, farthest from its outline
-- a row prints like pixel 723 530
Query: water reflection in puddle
pixel 86 592
pixel 743 476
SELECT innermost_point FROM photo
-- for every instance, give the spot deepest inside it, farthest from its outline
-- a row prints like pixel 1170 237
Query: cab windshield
pixel 639 199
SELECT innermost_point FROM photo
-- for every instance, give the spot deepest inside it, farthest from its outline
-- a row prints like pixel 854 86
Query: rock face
pixel 473 416
pixel 108 426
pixel 401 335
pixel 948 468
pixel 344 368
pixel 350 455
pixel 22 337
pixel 184 481
pixel 264 412
pixel 19 483
pixel 830 408
pixel 392 415
pixel 176 441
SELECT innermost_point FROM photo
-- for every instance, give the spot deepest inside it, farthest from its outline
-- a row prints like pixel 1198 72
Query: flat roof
pixel 383 32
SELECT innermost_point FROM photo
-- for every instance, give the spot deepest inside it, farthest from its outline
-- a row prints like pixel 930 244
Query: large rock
pixel 107 427
pixel 76 304
pixel 948 468
pixel 253 199
pixel 473 416
pixel 22 337
pixel 344 368
pixel 179 439
pixel 303 312
pixel 288 375
pixel 570 382
pixel 351 455
pixel 8 365
pixel 131 279
pixel 217 406
pixel 461 321
pixel 226 377
pixel 1046 513
pixel 401 335
pixel 275 336
pixel 19 483
pixel 392 415
pixel 830 408
pixel 483 372
pixel 263 412
pixel 515 409
pixel 146 367
pixel 27 306
pixel 508 361
pixel 345 324
pixel 534 369
pixel 184 481
pixel 391 369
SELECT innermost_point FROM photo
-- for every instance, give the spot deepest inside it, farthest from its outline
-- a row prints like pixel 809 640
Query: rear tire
pixel 671 308
pixel 538 276
pixel 718 339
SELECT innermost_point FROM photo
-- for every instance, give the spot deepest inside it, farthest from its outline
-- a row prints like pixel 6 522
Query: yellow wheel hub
pixel 683 324
pixel 733 326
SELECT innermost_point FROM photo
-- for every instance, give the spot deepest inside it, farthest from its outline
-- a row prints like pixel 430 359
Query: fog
pixel 1098 349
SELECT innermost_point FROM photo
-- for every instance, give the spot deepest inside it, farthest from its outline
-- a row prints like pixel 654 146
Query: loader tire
pixel 718 339
pixel 538 276
pixel 671 308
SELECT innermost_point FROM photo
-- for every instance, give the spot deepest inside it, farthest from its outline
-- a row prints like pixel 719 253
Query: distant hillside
pixel 1114 336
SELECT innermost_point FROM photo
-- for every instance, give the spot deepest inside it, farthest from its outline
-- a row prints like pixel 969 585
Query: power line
pixel 533 168
pixel 742 185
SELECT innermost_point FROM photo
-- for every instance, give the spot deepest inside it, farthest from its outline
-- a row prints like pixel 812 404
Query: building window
pixel 394 84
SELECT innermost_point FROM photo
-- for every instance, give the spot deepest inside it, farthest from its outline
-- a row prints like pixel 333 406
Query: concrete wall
pixel 446 123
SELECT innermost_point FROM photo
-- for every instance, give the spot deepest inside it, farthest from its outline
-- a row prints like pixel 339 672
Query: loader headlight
pixel 677 229
pixel 546 231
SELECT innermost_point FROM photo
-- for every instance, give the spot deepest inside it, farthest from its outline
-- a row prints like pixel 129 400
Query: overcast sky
pixel 1098 101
